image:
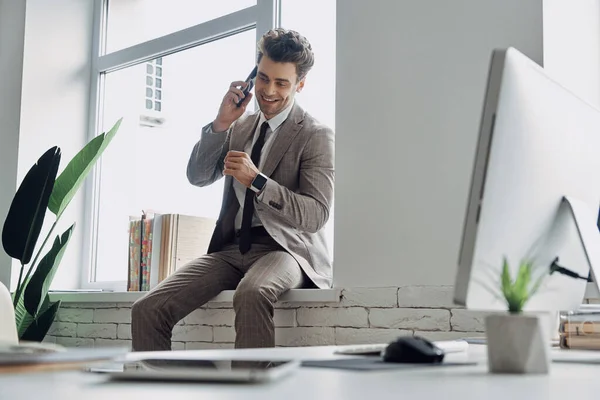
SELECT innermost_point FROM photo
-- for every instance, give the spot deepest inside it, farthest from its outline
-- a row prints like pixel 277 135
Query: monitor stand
pixel 577 214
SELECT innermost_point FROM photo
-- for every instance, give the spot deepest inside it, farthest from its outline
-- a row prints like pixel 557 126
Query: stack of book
pixel 580 329
pixel 159 244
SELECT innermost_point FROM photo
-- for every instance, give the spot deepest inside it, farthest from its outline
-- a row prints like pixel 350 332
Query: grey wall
pixel 411 77
pixel 572 45
pixel 44 94
pixel 12 27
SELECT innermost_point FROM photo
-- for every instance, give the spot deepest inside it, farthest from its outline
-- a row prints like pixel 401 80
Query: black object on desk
pixel 413 350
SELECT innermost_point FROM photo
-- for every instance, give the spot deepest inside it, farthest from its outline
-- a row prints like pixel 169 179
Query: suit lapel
pixel 243 132
pixel 283 139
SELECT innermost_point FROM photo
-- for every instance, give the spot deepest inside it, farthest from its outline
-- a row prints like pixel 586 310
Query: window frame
pixel 265 15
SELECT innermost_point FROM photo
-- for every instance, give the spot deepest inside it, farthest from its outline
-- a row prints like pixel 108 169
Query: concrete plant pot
pixel 518 343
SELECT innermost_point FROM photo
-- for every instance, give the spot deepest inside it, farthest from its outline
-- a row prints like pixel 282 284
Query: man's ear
pixel 300 85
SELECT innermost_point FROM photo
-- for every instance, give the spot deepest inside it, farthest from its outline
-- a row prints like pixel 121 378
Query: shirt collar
pixel 277 120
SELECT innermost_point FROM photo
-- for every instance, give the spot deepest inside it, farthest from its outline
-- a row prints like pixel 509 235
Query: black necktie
pixel 245 236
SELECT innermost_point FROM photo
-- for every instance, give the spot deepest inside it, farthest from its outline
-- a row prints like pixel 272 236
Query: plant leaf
pixel 39 328
pixel 77 170
pixel 28 208
pixel 22 318
pixel 45 303
pixel 523 279
pixel 506 279
pixel 40 281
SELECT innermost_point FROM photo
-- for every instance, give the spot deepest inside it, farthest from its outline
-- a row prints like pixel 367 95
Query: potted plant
pixel 517 342
pixel 42 190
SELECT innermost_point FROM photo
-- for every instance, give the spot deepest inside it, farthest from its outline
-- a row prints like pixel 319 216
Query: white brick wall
pixel 363 315
pixel 369 297
pixel 214 317
pixel 410 318
pixel 467 321
pixel 367 336
pixel 192 333
pixel 353 317
pixel 426 297
pixel 302 336
pixel 102 331
pixel 113 315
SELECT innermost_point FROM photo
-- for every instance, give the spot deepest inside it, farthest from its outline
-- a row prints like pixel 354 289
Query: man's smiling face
pixel 276 85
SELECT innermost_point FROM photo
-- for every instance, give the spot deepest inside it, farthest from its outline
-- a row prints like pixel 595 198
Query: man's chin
pixel 270 108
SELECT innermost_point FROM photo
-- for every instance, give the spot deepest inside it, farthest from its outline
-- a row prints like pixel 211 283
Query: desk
pixel 579 381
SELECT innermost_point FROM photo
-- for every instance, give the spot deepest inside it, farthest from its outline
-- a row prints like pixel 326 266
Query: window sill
pixel 292 296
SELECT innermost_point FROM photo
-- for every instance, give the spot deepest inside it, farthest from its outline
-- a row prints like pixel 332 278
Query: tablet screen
pixel 196 369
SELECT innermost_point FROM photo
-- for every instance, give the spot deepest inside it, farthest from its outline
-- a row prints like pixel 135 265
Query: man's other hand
pixel 239 165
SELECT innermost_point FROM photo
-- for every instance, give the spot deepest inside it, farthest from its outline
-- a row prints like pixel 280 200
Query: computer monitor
pixel 538 144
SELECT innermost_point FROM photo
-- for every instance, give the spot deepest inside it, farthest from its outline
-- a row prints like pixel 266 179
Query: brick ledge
pixel 226 296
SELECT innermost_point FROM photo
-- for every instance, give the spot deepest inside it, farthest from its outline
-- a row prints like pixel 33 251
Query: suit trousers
pixel 259 278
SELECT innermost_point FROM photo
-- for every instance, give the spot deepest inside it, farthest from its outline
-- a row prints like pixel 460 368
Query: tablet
pixel 207 370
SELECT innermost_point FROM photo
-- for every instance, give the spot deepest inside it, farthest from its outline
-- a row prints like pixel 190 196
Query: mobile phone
pixel 250 82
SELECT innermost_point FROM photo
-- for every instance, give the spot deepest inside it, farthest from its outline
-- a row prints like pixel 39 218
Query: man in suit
pixel 278 165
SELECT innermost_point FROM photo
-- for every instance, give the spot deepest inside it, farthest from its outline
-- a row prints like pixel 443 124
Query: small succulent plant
pixel 518 291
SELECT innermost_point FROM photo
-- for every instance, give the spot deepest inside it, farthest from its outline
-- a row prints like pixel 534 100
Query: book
pixel 133 265
pixel 584 342
pixel 580 328
pixel 159 244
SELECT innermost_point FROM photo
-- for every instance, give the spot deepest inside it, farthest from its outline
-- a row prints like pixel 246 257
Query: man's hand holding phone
pixel 229 111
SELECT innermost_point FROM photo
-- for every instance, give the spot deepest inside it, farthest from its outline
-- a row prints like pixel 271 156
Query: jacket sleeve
pixel 206 162
pixel 308 208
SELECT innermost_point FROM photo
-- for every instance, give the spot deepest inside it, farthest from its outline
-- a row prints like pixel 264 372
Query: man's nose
pixel 270 89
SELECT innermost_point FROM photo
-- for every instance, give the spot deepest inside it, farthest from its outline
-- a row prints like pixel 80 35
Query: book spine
pixel 134 255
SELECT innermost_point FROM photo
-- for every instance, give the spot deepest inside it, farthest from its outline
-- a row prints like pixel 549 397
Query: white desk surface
pixel 566 380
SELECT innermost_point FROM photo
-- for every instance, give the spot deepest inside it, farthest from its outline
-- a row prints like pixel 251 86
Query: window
pixel 154 75
pixel 131 22
pixel 167 86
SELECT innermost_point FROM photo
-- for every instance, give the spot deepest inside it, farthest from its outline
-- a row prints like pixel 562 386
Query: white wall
pixel 12 26
pixel 572 45
pixel 411 77
pixel 55 98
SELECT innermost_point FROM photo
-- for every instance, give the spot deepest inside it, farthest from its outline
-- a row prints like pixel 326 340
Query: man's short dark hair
pixel 283 45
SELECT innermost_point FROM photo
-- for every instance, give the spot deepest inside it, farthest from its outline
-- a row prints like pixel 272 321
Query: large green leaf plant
pixel 42 190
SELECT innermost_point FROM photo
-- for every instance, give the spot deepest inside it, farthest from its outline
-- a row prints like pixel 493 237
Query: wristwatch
pixel 258 183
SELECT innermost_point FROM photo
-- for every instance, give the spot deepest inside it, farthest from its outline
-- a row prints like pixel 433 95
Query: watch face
pixel 259 181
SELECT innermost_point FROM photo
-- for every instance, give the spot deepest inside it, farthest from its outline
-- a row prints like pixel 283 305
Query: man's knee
pixel 248 295
pixel 143 309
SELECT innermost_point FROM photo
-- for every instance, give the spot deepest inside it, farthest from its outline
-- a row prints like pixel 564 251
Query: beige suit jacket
pixel 295 203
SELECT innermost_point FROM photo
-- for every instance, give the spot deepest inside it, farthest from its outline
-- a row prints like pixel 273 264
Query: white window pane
pixel 145 167
pixel 130 22
pixel 316 20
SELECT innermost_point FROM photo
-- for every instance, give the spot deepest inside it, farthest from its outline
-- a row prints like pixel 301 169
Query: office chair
pixel 8 328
